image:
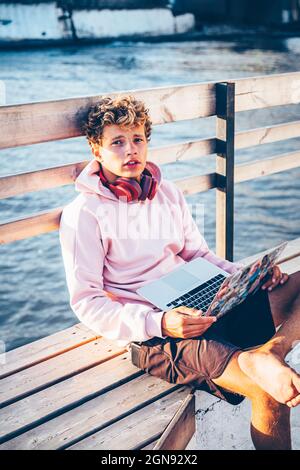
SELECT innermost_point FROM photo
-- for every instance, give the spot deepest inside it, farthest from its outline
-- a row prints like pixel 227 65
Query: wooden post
pixel 225 93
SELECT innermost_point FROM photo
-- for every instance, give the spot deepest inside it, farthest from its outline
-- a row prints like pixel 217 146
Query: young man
pixel 109 253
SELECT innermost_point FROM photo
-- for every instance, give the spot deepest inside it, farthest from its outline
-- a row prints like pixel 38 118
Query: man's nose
pixel 130 147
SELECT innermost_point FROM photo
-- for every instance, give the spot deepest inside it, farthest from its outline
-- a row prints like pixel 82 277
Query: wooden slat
pixel 183 151
pixel 66 174
pixel 181 428
pixel 44 222
pixel 267 135
pixel 53 120
pixel 41 222
pixel 38 351
pixel 59 367
pixel 291 266
pixel 137 429
pixel 40 180
pixel 268 90
pixel 91 416
pixel 67 394
pixel 291 251
pixel 266 167
pixel 196 184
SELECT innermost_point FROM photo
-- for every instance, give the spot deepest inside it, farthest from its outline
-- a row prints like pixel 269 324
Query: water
pixel 33 293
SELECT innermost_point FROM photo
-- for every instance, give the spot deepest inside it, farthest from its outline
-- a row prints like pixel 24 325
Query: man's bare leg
pixel 270 420
pixel 265 365
pixel 257 373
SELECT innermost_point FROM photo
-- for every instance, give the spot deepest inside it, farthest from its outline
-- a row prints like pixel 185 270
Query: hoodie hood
pixel 89 181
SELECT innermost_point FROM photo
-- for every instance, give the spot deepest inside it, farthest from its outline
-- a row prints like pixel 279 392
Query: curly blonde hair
pixel 125 111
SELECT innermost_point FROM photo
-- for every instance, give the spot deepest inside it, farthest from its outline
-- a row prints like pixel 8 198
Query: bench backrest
pixel 54 120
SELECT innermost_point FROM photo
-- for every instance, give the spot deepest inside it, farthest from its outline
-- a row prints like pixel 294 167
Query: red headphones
pixel 130 188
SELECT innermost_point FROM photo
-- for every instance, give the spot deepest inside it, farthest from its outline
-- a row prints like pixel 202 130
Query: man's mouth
pixel 132 163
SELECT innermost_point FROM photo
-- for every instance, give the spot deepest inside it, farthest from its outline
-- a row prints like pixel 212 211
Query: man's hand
pixel 185 322
pixel 275 277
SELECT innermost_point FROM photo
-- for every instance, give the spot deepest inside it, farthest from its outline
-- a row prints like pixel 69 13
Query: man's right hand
pixel 185 322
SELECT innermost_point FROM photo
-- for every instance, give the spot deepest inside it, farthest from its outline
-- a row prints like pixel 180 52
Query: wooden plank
pixel 291 266
pixel 265 91
pixel 43 349
pixel 37 224
pixel 267 135
pixel 26 124
pixel 181 428
pixel 196 184
pixel 87 418
pixel 66 174
pixel 183 151
pixel 291 251
pixel 59 367
pixel 266 167
pixel 136 430
pixel 64 395
pixel 54 120
pixel 40 180
pixel 48 221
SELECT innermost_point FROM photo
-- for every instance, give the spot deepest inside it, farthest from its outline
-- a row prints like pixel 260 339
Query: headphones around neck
pixel 130 188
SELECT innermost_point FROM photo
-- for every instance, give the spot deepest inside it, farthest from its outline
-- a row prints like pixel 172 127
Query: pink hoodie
pixel 111 248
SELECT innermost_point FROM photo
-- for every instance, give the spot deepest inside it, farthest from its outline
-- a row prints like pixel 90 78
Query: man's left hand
pixel 275 278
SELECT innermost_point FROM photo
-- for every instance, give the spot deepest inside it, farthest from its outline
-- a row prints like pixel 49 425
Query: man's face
pixel 119 146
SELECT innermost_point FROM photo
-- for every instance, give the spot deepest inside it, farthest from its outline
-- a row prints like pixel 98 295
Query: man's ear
pixel 95 150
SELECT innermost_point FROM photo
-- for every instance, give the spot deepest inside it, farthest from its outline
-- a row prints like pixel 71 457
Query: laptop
pixel 196 284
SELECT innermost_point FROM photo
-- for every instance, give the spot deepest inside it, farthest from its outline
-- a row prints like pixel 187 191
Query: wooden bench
pixel 73 385
pixel 73 389
pixel 77 391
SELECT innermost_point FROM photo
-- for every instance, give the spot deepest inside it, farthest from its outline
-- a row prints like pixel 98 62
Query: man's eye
pixel 138 139
pixel 117 142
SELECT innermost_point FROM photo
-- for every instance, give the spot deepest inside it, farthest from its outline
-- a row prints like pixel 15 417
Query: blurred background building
pixel 73 20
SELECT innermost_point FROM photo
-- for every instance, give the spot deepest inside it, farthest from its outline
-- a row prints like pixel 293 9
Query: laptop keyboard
pixel 200 297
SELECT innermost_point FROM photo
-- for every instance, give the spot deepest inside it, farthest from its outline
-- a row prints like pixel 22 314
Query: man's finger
pixel 284 278
pixel 201 320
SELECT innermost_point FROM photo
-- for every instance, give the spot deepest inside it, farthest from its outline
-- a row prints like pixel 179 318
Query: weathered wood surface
pixel 85 417
pixel 147 424
pixel 38 351
pixel 181 428
pixel 63 366
pixel 25 124
pixel 266 167
pixel 41 222
pixel 267 135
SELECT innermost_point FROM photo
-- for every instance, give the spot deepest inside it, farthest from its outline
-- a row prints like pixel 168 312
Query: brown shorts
pixel 196 361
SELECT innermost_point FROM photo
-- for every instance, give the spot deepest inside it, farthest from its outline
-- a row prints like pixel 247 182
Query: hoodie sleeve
pixel 195 245
pixel 83 256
